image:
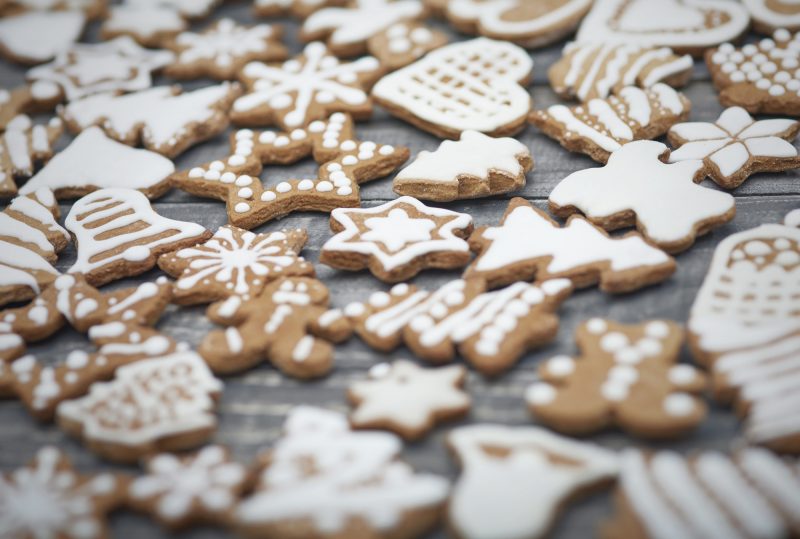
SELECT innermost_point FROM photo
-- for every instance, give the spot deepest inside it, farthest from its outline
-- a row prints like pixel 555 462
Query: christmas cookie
pixel 398 239
pixel 736 146
pixel 761 77
pixel 288 324
pixel 528 244
pixel 118 234
pixel 322 479
pixel 472 167
pixel 602 126
pixel 407 399
pixel 221 50
pixel 54 31
pixel 515 481
pixel 404 42
pixel 203 487
pixel 626 376
pixel 473 84
pixel 189 9
pixel 771 15
pixel 637 188
pixel 160 404
pixel 347 29
pixel 298 8
pixel 492 330
pixel 744 325
pixel 688 26
pixel 752 493
pixel 595 70
pixel 23 147
pixel 34 98
pixel 162 119
pixel 149 25
pixel 345 162
pixel 93 9
pixel 529 24
pixel 305 88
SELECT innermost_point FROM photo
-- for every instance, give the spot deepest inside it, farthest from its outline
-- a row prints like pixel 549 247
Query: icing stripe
pixel 571 123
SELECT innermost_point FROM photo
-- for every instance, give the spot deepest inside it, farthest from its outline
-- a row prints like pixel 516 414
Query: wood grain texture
pixel 254 404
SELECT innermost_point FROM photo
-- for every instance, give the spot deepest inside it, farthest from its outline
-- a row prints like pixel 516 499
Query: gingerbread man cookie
pixel 23 147
pixel 404 42
pixel 54 31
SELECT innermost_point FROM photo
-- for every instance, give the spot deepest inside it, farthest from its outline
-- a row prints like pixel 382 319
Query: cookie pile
pixel 496 263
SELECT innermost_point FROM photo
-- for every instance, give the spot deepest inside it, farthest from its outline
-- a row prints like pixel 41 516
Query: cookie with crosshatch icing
pixel 529 244
pixel 492 330
pixel 23 147
pixel 761 77
pixel 403 43
pixel 398 239
pixel 345 162
pixel 601 126
pixel 626 376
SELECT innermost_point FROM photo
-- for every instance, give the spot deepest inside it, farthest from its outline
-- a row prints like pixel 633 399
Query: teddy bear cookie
pixel 403 43
pixel 54 31
pixel 23 147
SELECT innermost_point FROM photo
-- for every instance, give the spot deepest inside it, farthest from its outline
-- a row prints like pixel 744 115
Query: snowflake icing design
pixel 223 43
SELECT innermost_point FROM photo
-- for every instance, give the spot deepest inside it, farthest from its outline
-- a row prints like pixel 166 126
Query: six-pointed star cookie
pixel 407 399
pixel 397 239
pixel 736 146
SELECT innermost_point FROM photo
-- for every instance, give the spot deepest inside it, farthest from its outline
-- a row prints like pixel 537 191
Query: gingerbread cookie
pixel 501 491
pixel 492 330
pixel 529 24
pixel 626 376
pixel 298 8
pixel 602 126
pixel 189 9
pixel 760 77
pixel 407 399
pixel 324 480
pixel 752 493
pixel 771 15
pixel 528 244
pixel 162 119
pixel 305 88
pixel 688 26
pixel 33 98
pixel 588 71
pixel 221 50
pixel 48 498
pixel 745 325
pixel 180 491
pixel 93 9
pixel 468 85
pixel 637 188
pixel 472 167
pixel 397 240
pixel 345 162
pixel 23 147
pixel 118 234
pixel 30 239
pixel 54 31
pixel 404 42
pixel 288 324
pixel 736 146
pixel 149 25
pixel 347 29
pixel 161 404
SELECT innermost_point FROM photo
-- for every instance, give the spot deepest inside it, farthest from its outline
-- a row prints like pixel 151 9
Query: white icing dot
pixel 354 309
pixel 399 289
pixel 681 375
pixel 540 393
pixel 305 185
pixel 324 186
pixel 283 187
pixel 245 192
pixel 344 191
pixel 379 299
pixel 679 404
pixel 657 329
pixel 268 196
pixel 596 326
pixel 242 207
pixel 613 341
pixel 561 366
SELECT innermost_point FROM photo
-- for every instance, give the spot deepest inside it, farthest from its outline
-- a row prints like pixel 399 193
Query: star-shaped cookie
pixel 398 239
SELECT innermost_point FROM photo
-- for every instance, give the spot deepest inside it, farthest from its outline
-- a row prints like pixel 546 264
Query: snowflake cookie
pixel 602 126
pixel 345 162
pixel 33 37
pixel 528 244
pixel 408 399
pixel 397 239
pixel 637 188
pixel 501 493
pixel 492 330
pixel 404 42
pixel 329 481
pixel 37 97
pixel 736 146
pixel 626 376
pixel 23 147
pixel 305 88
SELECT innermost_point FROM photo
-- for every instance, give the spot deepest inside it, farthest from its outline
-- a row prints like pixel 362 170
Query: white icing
pixel 360 20
pixel 787 17
pixel 224 43
pixel 54 31
pixel 493 19
pixel 143 21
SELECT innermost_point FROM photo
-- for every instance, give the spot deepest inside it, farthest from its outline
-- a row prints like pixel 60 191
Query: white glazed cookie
pixel 601 126
pixel 687 26
pixel 150 26
pixel 473 84
pixel 515 481
pixel 23 147
pixel 190 9
pixel 54 31
pixel 109 247
pixel 529 244
pixel 119 65
pixel 298 8
pixel 34 98
pixel 474 166
pixel 163 119
pixel 752 493
pixel 736 146
pixel 745 325
pixel 637 188
pixel 590 70
pixel 771 15
pixel 397 239
pixel 329 481
pixel 92 8
pixel 529 24
pixel 404 42
pixel 407 399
